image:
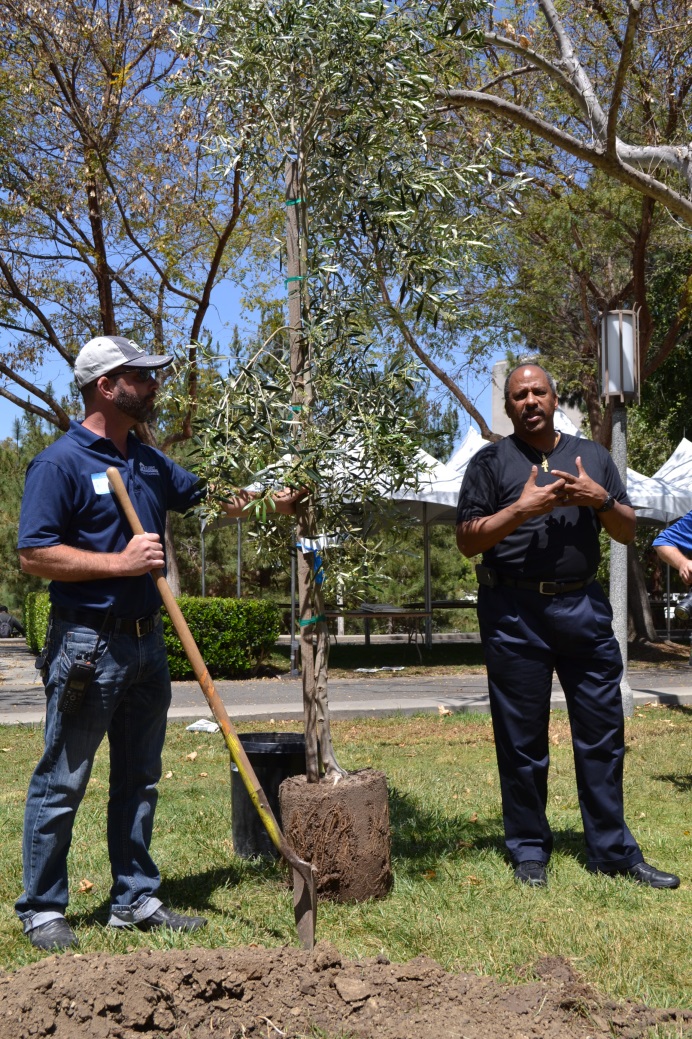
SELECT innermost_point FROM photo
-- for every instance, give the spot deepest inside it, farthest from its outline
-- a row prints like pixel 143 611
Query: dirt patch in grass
pixel 650 654
pixel 291 993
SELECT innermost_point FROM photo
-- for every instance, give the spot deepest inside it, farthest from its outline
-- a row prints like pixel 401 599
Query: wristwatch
pixel 607 504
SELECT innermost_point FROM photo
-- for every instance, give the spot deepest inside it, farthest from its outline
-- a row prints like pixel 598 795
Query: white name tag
pixel 101 483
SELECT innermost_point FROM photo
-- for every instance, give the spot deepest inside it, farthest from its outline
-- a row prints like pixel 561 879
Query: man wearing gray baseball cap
pixel 104 665
pixel 105 354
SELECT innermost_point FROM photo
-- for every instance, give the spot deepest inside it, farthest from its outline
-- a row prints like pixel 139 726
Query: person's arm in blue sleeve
pixel 674 547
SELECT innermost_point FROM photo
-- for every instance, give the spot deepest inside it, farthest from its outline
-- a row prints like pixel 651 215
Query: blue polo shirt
pixel 67 501
pixel 679 535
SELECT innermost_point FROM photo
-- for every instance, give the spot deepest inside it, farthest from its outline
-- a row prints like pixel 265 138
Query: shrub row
pixel 233 635
pixel 36 610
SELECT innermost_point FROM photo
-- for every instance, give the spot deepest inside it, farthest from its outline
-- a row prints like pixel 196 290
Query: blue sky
pixel 476 387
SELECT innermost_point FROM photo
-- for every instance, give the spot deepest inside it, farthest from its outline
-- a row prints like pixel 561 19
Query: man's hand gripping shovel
pixel 304 879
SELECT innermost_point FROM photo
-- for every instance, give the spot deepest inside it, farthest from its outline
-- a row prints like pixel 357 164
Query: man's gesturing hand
pixel 143 553
pixel 537 501
pixel 580 489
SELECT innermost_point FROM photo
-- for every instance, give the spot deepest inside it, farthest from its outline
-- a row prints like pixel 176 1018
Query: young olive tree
pixel 331 102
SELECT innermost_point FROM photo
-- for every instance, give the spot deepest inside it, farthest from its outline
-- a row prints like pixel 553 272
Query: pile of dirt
pixel 291 993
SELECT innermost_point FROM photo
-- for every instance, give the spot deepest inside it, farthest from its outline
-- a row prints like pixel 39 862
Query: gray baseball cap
pixel 106 353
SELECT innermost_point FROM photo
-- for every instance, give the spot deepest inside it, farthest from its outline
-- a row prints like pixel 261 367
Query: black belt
pixel 491 578
pixel 99 621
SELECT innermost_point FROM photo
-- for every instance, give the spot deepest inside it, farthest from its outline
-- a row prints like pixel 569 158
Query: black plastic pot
pixel 274 756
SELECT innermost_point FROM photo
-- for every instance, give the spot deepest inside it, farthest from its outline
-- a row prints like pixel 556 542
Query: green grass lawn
pixel 453 899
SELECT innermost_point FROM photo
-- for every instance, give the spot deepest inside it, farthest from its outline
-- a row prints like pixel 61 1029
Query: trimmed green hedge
pixel 36 610
pixel 234 635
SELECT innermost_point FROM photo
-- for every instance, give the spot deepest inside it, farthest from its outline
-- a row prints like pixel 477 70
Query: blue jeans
pixel 128 699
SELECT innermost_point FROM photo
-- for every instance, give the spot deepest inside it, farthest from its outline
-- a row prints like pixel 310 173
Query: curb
pixel 387 706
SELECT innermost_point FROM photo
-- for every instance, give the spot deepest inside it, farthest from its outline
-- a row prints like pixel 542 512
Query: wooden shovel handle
pixel 247 773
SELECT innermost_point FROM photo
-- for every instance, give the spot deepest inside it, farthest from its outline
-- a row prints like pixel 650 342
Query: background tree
pixel 112 220
pixel 579 76
pixel 30 435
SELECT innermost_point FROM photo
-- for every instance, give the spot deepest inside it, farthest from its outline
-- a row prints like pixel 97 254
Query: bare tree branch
pixel 619 86
pixel 31 306
pixel 427 360
pixel 58 416
pixel 577 75
pixel 541 63
pixel 679 158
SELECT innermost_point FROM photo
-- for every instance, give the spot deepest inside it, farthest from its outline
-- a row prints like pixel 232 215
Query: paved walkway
pixel 22 699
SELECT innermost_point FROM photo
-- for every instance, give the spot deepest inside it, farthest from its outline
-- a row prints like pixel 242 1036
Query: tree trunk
pixel 172 571
pixel 314 660
pixel 306 613
pixel 638 598
pixel 146 434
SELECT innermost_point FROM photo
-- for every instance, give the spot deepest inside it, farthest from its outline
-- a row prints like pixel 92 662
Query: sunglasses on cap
pixel 139 374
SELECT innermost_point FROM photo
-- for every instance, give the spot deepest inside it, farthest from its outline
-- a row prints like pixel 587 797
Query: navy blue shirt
pixel 559 546
pixel 67 501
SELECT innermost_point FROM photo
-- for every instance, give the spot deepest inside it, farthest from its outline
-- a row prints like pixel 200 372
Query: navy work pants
pixel 526 636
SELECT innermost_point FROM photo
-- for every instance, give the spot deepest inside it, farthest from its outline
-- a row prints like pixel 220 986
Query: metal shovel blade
pixel 305 904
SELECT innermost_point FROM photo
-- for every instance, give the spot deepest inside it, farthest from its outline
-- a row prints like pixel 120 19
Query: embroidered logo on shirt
pixel 148 470
pixel 101 483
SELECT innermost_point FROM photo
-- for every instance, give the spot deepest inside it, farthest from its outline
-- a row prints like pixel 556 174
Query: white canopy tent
pixel 677 471
pixel 662 498
pixel 656 500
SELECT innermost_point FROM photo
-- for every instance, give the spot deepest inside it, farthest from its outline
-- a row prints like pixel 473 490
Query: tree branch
pixel 613 165
pixel 624 64
pixel 22 298
pixel 582 83
pixel 427 360
pixel 541 63
pixel 26 405
pixel 58 416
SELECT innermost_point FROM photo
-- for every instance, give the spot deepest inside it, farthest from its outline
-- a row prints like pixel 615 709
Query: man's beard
pixel 141 409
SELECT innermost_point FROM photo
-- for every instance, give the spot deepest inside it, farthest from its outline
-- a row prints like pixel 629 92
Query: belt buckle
pixel 548 587
pixel 140 627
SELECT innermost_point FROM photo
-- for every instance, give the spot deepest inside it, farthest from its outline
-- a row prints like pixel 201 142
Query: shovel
pixel 304 875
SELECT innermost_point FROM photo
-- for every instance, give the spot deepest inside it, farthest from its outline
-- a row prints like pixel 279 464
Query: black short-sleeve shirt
pixel 559 546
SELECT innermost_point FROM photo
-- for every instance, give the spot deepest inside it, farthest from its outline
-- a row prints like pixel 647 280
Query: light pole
pixel 619 376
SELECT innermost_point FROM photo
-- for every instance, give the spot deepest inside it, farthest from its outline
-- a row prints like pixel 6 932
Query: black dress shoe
pixel 56 935
pixel 531 873
pixel 643 873
pixel 174 921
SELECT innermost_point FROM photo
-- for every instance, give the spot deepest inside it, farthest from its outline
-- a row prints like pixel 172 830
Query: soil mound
pixel 291 993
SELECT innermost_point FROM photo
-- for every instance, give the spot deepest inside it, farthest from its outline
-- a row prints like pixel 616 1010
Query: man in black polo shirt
pixel 533 505
pixel 105 668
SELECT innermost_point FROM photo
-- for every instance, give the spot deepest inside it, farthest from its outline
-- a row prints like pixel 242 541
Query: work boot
pixel 174 921
pixel 55 935
pixel 531 873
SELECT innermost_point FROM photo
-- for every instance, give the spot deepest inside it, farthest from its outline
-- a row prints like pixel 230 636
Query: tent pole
pixel 294 641
pixel 202 525
pixel 426 564
pixel 668 601
pixel 239 562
